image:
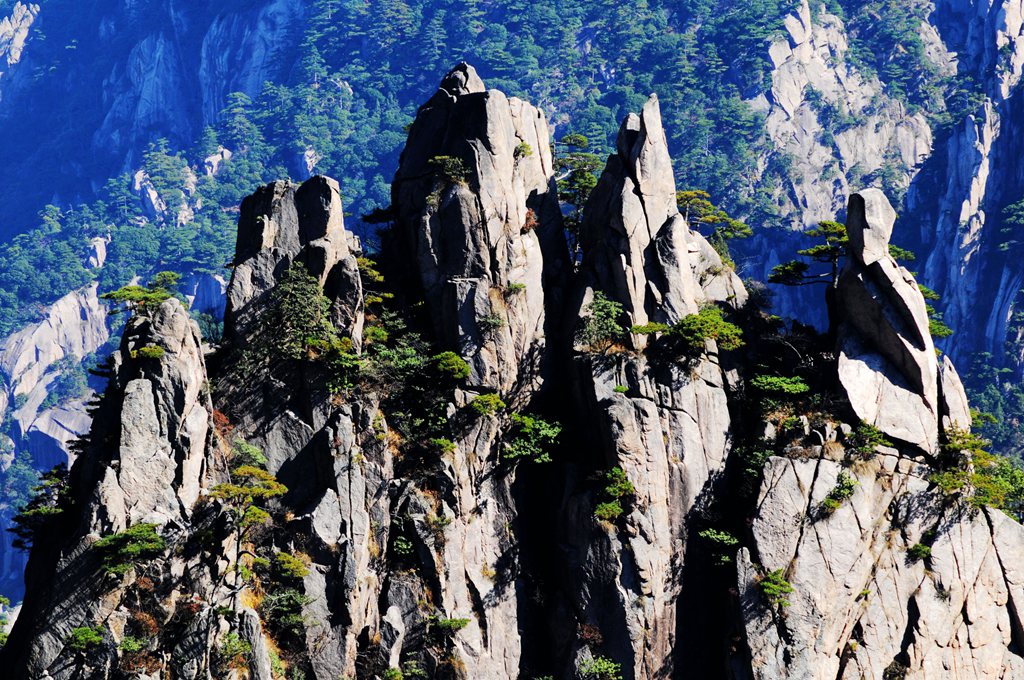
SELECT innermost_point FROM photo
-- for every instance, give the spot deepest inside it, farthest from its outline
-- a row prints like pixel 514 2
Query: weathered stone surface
pixel 284 223
pixel 956 411
pixel 887 361
pixel 14 31
pixel 156 414
pixel 487 246
pixel 165 423
pixel 638 250
pixel 669 431
pixel 859 601
pixel 811 80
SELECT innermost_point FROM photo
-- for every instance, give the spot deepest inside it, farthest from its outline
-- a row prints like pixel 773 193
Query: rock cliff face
pixel 147 461
pixel 968 264
pixel 812 85
pixel 864 603
pixel 387 491
pixel 14 30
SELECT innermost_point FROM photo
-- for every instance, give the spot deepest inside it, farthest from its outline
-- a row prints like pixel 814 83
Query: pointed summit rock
pixel 637 248
pixel 477 216
pixel 281 223
pixel 887 362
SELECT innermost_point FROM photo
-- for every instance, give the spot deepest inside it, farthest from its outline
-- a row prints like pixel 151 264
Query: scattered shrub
pixel 243 453
pixel 522 150
pixel 84 638
pixel 724 544
pixel 775 587
pixel 450 168
pixel 780 385
pixel 979 477
pixel 487 404
pixel 865 438
pixel 600 668
pixel 288 566
pixel 450 365
pixel 650 329
pixel 531 222
pixel 608 511
pixel 514 289
pixel 895 671
pixel 441 445
pixel 132 645
pixel 234 652
pixel 282 610
pixel 123 550
pixel 620 389
pixel 600 328
pixel 533 439
pixel 617 489
pixel 445 628
pixel 707 324
pixel 403 547
pixel 918 552
pixel 148 352
pixel 842 491
pixel 491 322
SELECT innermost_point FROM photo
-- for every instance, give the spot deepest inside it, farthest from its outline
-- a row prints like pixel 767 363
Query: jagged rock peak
pixel 148 459
pixel 633 206
pixel 887 361
pixel 477 211
pixel 282 223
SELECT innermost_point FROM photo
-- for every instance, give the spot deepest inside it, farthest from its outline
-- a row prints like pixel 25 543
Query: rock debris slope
pixel 357 487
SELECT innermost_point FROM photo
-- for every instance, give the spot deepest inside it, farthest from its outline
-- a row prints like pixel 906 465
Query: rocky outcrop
pixel 165 423
pixel 864 604
pixel 422 517
pixel 638 249
pixel 14 32
pixel 32 359
pixel 665 424
pixel 890 575
pixel 156 413
pixel 283 223
pixel 887 362
pixel 477 211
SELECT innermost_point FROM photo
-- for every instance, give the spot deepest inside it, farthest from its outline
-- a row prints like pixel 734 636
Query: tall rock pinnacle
pixel 283 223
pixel 633 208
pixel 478 214
pixel 887 362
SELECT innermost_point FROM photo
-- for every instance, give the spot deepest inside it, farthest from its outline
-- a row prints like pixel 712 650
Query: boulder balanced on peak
pixel 887 360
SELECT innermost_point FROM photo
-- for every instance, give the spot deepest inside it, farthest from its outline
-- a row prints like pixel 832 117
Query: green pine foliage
pixel 126 549
pixel 533 439
pixel 708 324
pixel 775 588
pixel 617 491
pixel 600 329
pixel 84 638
